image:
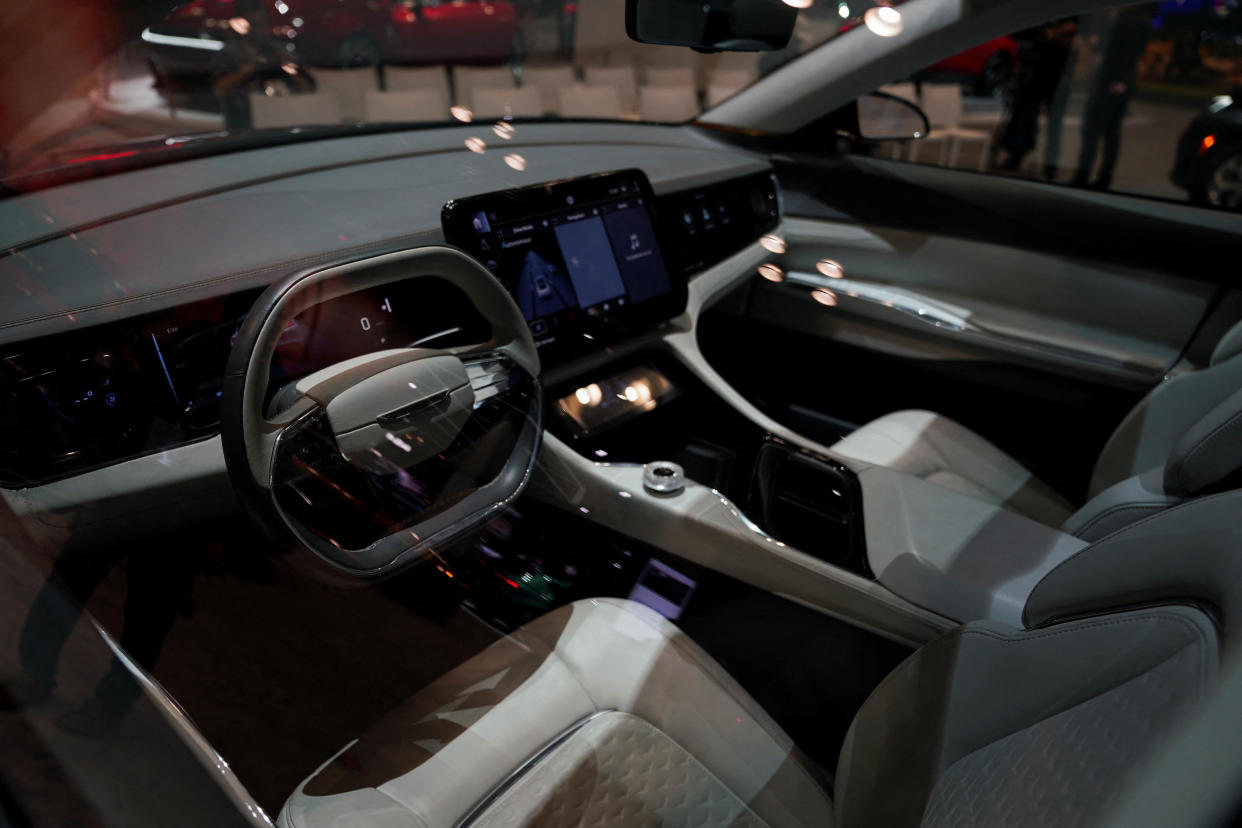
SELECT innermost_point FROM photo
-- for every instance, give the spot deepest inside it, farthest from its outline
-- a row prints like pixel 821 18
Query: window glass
pixel 1139 99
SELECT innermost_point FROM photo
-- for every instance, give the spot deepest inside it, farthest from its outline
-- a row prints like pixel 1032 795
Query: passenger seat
pixel 603 713
pixel 1182 439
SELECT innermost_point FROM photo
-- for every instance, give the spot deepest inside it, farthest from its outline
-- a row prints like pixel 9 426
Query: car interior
pixel 610 453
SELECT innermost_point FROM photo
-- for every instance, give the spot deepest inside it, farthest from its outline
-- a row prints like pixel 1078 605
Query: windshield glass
pixel 219 70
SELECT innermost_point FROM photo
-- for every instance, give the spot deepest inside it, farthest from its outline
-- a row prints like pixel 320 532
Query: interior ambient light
pixel 583 395
pixel 771 272
pixel 1207 143
pixel 799 4
pixel 515 161
pixel 884 21
pixel 843 11
pixel 773 243
pixel 830 268
pixel 824 296
pixel 504 130
pixel 462 113
pixel 476 144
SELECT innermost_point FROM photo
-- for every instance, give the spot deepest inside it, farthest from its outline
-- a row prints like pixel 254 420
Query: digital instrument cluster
pixel 77 401
pixel 582 258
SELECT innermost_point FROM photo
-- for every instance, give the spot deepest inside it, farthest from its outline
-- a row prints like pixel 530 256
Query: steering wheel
pixel 375 461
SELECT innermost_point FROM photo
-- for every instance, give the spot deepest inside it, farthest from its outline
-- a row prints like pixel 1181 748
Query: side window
pixel 1144 100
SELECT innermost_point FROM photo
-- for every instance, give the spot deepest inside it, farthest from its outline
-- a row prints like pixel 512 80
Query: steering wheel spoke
pixel 375 460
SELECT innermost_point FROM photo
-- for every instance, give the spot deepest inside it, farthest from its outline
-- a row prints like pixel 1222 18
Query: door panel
pixel 1033 314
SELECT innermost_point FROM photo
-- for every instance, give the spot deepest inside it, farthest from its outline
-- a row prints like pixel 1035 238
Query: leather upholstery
pixel 987 725
pixel 993 726
pixel 926 445
pixel 1184 437
pixel 1192 552
pixel 1229 346
pixel 437 757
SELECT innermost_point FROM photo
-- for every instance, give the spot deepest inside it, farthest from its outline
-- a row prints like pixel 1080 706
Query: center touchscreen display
pixel 581 258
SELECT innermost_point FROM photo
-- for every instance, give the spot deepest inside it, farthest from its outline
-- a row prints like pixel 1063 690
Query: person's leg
pixel 55 611
pixel 158 584
pixel 1090 141
pixel 1052 142
pixel 1113 121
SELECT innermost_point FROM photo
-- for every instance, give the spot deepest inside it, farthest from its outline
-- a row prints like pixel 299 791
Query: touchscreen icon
pixel 480 223
pixel 635 242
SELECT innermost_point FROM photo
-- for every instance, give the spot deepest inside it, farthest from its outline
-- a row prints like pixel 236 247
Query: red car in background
pixel 986 67
pixel 206 37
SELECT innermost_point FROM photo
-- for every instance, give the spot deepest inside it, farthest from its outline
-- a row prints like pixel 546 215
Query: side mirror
pixel 885 117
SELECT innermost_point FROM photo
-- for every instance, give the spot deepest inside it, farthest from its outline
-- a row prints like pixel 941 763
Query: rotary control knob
pixel 663 477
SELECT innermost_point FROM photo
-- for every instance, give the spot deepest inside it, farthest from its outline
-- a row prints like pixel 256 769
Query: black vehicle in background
pixel 1209 154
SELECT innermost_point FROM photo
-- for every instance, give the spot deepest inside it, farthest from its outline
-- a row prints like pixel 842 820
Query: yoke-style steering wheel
pixel 376 460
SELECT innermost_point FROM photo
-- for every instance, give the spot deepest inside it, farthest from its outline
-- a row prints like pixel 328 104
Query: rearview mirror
pixel 885 117
pixel 712 25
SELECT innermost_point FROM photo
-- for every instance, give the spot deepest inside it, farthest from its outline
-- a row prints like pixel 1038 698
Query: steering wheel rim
pixel 252 437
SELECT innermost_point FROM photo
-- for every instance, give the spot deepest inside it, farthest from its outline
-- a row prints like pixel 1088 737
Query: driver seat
pixel 1182 439
pixel 603 713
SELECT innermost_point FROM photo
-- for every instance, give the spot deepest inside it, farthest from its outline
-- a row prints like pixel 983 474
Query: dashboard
pixel 138 383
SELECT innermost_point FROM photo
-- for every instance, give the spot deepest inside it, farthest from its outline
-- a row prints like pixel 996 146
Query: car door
pixel 976 273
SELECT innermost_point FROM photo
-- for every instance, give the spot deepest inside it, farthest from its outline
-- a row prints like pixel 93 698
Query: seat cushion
pixel 939 450
pixel 994 726
pixel 521 723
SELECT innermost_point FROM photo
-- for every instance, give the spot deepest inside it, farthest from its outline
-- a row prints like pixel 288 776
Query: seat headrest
pixel 1189 553
pixel 1208 452
pixel 1229 346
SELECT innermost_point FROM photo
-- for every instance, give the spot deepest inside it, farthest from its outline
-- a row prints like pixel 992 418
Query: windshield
pixel 221 70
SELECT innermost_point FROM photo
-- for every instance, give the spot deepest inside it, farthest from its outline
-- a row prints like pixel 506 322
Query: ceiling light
pixel 799 4
pixel 772 243
pixel 884 21
pixel 824 296
pixel 771 272
pixel 831 269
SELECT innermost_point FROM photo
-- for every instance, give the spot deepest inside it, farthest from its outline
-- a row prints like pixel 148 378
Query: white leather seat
pixel 350 87
pixel 581 100
pixel 429 104
pixel 466 79
pixel 671 104
pixel 622 78
pixel 504 102
pixel 1183 438
pixel 549 80
pixel 603 713
pixel 416 78
pixel 301 109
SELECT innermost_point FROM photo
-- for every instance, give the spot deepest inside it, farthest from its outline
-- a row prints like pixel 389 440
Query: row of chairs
pixel 425 93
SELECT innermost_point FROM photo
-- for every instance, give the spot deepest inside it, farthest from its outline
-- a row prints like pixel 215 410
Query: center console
pixel 594 261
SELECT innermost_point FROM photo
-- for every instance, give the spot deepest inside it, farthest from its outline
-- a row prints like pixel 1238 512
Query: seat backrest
pixel 582 100
pixel 1148 435
pixel 408 105
pixel 622 78
pixel 549 80
pixel 1183 439
pixel 305 109
pixel 905 91
pixel 410 78
pixel 489 102
pixel 669 76
pixel 667 103
pixel 350 87
pixel 468 78
pixel 942 103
